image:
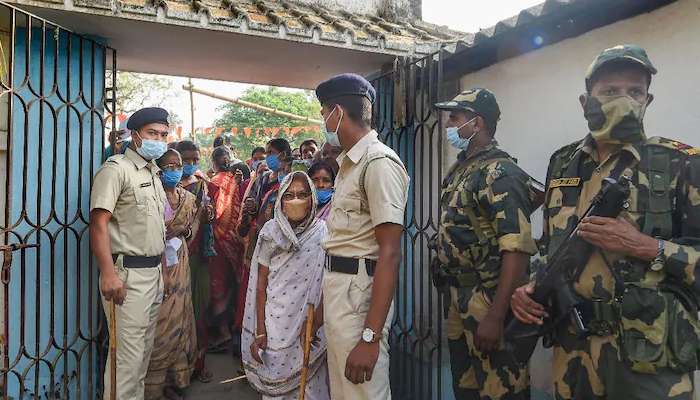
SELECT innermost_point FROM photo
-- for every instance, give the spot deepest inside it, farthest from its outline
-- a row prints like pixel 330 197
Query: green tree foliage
pixel 235 116
pixel 135 91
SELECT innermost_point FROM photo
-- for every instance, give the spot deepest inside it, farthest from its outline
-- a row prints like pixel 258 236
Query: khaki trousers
pixel 136 325
pixel 346 300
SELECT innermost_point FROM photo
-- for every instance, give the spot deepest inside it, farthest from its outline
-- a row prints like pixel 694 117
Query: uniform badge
pixel 146 184
pixel 565 182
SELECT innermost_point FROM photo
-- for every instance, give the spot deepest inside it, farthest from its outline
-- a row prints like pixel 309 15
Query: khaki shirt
pixel 128 186
pixel 353 216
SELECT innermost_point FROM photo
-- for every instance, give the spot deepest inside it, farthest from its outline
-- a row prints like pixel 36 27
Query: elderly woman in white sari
pixel 285 276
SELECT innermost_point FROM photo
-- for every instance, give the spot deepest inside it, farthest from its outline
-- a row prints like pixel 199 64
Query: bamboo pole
pixel 194 138
pixel 307 350
pixel 254 106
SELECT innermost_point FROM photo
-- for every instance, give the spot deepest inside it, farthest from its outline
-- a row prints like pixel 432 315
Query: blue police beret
pixel 148 115
pixel 345 85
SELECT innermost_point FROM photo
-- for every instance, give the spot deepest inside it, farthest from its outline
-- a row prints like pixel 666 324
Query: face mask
pixel 151 149
pixel 273 162
pixel 296 210
pixel 458 141
pixel 332 137
pixel 170 178
pixel 281 176
pixel 324 195
pixel 189 169
pixel 615 119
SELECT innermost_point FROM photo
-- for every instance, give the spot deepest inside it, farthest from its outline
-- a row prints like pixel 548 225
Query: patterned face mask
pixel 296 210
pixel 615 119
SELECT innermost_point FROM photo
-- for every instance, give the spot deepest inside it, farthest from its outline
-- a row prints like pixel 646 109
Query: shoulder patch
pixel 673 145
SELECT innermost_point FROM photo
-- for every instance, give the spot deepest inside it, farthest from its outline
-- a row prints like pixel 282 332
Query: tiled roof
pixel 541 25
pixel 280 19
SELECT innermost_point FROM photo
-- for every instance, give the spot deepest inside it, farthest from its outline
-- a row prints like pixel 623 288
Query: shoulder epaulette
pixel 567 150
pixel 673 145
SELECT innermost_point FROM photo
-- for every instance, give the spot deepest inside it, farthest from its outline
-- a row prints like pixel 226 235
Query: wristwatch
pixel 370 336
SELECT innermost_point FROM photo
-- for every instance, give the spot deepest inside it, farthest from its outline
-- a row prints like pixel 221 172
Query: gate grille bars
pixel 53 98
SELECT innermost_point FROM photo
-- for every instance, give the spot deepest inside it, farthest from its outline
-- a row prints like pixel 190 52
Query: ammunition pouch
pixel 658 330
pixel 600 318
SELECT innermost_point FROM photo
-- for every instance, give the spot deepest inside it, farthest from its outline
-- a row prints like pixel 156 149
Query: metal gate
pixel 54 100
pixel 406 121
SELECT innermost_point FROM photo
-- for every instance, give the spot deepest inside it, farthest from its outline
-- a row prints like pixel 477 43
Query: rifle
pixel 553 283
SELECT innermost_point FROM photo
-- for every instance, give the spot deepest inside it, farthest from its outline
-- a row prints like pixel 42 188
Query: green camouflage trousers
pixel 476 375
pixel 591 369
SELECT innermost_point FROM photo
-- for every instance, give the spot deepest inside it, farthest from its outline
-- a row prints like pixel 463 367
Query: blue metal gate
pixel 54 100
pixel 406 121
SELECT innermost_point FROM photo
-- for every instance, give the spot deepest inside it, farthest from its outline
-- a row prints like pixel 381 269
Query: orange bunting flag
pixel 207 131
pixel 295 131
pixel 247 131
pixel 234 131
pixel 219 131
pixel 275 131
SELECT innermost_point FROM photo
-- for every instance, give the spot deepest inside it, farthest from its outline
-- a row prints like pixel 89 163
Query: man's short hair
pixel 357 108
pixel 218 141
pixel 186 145
pixel 308 142
pixel 257 150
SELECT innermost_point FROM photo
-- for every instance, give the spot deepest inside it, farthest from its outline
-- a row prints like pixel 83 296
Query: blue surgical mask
pixel 170 177
pixel 324 195
pixel 458 141
pixel 151 149
pixel 273 162
pixel 189 169
pixel 332 137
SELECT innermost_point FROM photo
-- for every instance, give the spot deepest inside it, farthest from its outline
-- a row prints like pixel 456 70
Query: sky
pixel 461 15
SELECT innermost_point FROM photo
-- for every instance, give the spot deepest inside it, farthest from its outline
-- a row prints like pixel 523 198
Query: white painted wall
pixel 538 94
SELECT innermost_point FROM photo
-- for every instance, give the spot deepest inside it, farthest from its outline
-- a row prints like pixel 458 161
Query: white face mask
pixel 458 141
pixel 332 137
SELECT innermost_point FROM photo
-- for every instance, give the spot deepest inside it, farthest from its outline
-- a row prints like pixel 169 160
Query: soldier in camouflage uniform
pixel 641 281
pixel 483 245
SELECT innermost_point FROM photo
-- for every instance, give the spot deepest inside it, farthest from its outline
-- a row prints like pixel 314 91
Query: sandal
pixel 205 376
pixel 219 347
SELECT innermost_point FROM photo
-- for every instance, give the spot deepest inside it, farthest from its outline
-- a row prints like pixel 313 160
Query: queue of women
pixel 243 260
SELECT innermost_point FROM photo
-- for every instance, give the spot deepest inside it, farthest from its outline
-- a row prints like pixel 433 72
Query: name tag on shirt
pixel 146 184
pixel 565 182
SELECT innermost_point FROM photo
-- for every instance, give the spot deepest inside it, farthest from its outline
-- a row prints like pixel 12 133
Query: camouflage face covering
pixel 615 119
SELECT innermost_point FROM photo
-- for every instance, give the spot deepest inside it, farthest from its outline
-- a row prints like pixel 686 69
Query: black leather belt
pixel 138 261
pixel 350 266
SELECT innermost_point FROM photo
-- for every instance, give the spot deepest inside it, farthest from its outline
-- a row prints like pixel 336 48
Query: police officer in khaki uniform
pixel 127 237
pixel 364 249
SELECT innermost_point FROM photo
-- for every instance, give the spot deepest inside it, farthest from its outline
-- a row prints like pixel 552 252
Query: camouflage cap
pixel 623 52
pixel 479 101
